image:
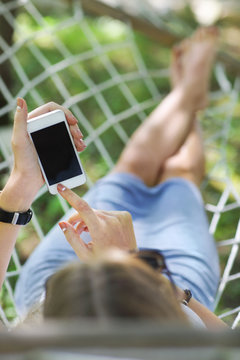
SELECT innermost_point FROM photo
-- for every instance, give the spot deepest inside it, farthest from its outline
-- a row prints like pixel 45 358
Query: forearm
pixel 26 178
pixel 211 321
pixel 8 236
pixel 209 318
pixel 17 195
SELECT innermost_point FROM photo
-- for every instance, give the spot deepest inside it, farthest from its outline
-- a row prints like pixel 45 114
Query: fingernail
pixel 63 226
pixel 19 103
pixel 61 188
pixel 82 142
pixel 79 133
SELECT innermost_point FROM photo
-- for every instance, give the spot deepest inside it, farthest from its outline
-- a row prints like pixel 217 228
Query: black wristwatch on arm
pixel 15 218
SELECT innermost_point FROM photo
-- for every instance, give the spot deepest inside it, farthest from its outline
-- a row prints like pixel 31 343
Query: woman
pixel 112 285
pixel 155 180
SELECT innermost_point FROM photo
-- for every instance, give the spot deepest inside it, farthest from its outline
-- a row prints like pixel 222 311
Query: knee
pixel 190 167
pixel 193 171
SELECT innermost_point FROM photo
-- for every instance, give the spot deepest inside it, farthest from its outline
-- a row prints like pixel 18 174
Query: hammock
pixel 99 78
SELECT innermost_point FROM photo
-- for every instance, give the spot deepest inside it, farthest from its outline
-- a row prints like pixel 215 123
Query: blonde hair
pixel 111 288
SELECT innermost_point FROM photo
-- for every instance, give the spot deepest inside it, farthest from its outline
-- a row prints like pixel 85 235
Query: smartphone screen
pixel 56 153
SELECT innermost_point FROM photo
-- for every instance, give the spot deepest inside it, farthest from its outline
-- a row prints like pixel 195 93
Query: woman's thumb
pixel 21 114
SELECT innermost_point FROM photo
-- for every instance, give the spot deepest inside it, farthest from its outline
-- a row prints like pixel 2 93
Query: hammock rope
pixel 216 120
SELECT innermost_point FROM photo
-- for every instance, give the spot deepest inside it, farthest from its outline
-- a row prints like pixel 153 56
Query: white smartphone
pixel 57 154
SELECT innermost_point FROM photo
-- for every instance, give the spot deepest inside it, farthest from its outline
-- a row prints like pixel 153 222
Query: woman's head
pixel 112 286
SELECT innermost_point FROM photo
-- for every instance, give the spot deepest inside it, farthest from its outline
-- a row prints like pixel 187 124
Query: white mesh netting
pixel 111 78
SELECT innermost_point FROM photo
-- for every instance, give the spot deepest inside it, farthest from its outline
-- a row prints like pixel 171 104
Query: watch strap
pixel 188 297
pixel 15 218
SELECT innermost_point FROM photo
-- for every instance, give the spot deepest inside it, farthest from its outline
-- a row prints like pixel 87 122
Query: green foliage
pixel 48 211
pixel 5 298
pixel 88 74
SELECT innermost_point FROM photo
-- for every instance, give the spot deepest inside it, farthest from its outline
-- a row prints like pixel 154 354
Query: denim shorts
pixel 169 217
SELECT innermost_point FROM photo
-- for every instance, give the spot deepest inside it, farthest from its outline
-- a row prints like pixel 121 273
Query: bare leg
pixel 189 161
pixel 166 129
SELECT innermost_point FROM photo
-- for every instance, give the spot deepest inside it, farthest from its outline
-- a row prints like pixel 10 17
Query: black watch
pixel 188 297
pixel 15 218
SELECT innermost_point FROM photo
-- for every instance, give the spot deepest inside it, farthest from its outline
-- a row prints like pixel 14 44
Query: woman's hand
pixel 107 228
pixel 25 168
pixel 25 157
pixel 26 177
pixel 72 122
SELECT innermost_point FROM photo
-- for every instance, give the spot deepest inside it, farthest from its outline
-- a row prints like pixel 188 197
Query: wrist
pixel 180 295
pixel 184 296
pixel 17 194
pixel 187 298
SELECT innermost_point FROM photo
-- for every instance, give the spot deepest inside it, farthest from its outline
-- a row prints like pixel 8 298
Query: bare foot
pixel 191 65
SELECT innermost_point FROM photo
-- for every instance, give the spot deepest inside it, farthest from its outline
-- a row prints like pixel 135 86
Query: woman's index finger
pixel 81 206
